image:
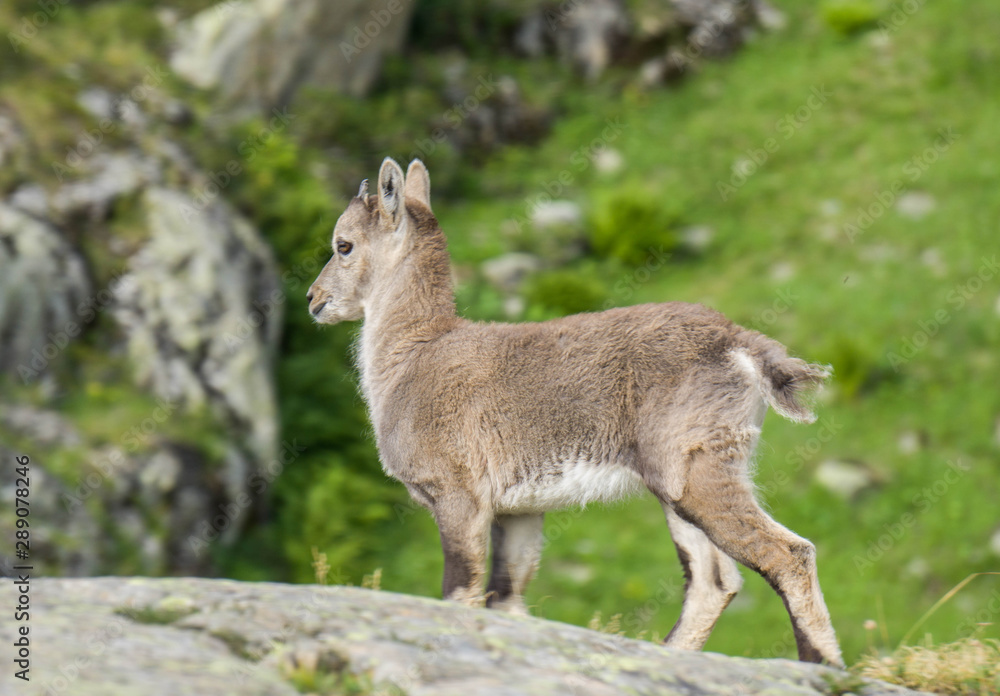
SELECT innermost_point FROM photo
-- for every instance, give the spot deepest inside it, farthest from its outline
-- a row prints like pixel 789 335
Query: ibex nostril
pixel 309 297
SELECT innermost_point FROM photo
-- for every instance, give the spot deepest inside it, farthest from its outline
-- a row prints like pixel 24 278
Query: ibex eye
pixel 344 247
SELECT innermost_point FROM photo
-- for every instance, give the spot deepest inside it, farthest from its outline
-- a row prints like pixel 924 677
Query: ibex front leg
pixel 464 526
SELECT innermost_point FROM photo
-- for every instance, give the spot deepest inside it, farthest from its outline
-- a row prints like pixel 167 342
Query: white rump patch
pixel 746 365
pixel 571 483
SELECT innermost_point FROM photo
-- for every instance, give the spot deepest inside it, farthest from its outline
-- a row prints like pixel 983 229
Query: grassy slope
pixel 854 303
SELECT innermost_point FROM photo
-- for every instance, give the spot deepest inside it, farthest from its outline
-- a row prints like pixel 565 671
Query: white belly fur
pixel 571 483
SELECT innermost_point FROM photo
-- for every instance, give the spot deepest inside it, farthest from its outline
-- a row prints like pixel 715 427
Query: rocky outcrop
pixel 133 253
pixel 118 508
pixel 121 636
pixel 258 53
pixel 201 312
pixel 667 35
pixel 42 283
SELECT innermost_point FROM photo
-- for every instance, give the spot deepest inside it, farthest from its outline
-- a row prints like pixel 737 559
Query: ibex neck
pixel 414 306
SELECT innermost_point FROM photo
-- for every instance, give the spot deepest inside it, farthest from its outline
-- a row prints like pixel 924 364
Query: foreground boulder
pixel 122 636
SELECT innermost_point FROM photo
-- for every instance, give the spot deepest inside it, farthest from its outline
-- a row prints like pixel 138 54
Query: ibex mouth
pixel 317 309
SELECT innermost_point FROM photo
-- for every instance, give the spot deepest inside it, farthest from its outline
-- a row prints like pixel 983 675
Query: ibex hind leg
pixel 719 500
pixel 517 549
pixel 712 580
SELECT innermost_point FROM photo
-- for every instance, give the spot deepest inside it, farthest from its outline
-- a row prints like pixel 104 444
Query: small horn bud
pixel 363 189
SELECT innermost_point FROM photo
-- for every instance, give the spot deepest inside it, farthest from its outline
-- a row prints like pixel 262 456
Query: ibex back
pixel 490 425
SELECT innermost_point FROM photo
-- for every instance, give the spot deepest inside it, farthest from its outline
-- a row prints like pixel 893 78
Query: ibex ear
pixel 390 189
pixel 418 183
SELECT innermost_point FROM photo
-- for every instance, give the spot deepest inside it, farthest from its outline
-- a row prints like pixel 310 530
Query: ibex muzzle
pixel 491 425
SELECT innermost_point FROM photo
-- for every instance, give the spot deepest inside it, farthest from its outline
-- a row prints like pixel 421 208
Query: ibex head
pixel 369 242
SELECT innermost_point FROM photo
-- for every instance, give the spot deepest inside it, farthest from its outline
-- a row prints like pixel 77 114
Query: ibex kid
pixel 491 425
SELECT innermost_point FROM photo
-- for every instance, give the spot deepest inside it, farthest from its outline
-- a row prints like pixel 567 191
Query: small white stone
pixel 781 272
pixel 608 160
pixel 556 214
pixel 507 271
pixel 908 442
pixel 918 568
pixel 844 479
pixel 513 306
pixel 915 205
pixel 934 261
pixel 830 207
pixel 995 542
pixel 698 237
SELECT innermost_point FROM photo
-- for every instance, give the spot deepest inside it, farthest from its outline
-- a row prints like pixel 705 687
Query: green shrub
pixel 628 225
pixel 849 16
pixel 563 292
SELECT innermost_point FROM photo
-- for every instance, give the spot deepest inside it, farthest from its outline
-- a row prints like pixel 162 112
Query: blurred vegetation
pixel 887 93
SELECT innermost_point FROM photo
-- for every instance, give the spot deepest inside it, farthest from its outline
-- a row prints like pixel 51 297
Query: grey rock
pixel 63 536
pixel 45 428
pixel 98 102
pixel 217 637
pixel 258 53
pixel 12 142
pixel 201 311
pixel 769 17
pixel 915 205
pixel 608 160
pixel 108 177
pixel 588 33
pixel 507 271
pixel 32 199
pixel 716 27
pixel 697 238
pixel 845 479
pixel 43 280
pixel 86 518
pixel 551 214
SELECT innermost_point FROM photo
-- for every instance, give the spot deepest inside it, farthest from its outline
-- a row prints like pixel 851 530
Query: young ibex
pixel 490 425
